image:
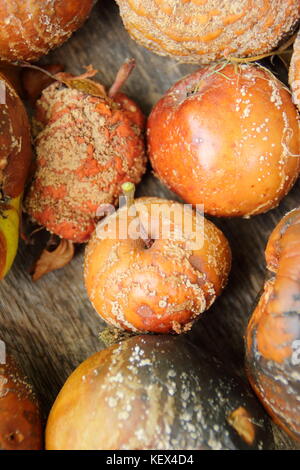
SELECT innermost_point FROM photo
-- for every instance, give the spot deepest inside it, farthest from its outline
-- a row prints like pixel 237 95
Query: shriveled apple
pixel 151 273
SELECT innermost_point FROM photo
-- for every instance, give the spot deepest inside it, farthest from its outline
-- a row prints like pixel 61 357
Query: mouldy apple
pixel 28 30
pixel 156 392
pixel 273 333
pixel 208 30
pixel 156 281
pixel 15 159
pixel 20 420
pixel 88 142
pixel 294 72
pixel 227 137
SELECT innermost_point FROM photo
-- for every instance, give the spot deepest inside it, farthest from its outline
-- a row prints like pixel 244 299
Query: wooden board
pixel 50 324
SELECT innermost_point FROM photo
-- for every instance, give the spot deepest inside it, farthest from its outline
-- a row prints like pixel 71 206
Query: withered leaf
pixel 80 83
pixel 51 260
pixel 86 86
pixel 83 84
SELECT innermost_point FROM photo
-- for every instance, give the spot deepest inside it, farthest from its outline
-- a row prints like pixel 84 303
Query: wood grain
pixel 50 325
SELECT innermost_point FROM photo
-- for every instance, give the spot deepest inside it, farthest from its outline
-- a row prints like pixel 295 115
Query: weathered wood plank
pixel 51 324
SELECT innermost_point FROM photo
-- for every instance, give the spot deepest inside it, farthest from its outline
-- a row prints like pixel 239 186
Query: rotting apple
pixel 15 161
pixel 227 136
pixel 294 72
pixel 20 417
pixel 156 392
pixel 88 142
pixel 273 332
pixel 155 266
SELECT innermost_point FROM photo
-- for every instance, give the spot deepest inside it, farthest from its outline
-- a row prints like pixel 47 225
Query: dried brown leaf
pixel 83 84
pixel 51 260
pixel 80 83
pixel 86 86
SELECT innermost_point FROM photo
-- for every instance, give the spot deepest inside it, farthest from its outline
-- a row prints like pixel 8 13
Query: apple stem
pixel 128 189
pixel 28 65
pixel 281 50
pixel 122 75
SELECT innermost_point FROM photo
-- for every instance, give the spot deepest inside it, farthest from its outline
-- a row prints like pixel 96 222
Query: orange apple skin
pixel 20 417
pixel 156 392
pixel 227 138
pixel 29 30
pixel 273 332
pixel 294 72
pixel 162 288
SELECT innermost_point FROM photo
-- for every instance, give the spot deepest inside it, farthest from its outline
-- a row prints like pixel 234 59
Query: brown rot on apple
pixel 273 333
pixel 227 136
pixel 294 71
pixel 203 31
pixel 30 29
pixel 20 419
pixel 88 141
pixel 156 267
pixel 156 392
